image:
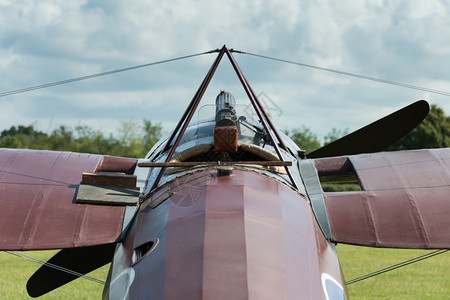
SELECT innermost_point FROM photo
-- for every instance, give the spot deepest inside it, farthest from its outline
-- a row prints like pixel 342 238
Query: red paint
pixel 404 202
pixel 239 236
pixel 37 191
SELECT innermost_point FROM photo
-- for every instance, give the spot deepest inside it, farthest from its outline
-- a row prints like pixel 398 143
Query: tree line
pixel 132 140
pixel 135 140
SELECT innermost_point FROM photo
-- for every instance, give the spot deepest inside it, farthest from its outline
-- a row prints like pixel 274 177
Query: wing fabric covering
pixel 38 210
pixel 81 260
pixel 404 202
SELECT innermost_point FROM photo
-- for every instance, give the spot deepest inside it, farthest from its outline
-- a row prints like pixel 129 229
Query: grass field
pixel 428 279
pixel 15 272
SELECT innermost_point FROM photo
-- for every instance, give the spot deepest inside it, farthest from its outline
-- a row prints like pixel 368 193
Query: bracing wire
pixel 59 268
pixel 61 82
pixel 42 86
pixel 396 266
pixel 401 84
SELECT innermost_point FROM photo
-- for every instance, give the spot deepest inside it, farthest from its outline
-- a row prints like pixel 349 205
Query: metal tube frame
pixel 180 129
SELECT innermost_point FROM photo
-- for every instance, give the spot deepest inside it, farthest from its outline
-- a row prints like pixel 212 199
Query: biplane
pixel 224 208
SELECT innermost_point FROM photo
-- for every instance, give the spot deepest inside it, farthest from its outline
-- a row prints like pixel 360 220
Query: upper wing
pixel 404 202
pixel 37 200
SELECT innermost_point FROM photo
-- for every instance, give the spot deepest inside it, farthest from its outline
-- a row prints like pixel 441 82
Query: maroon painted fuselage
pixel 238 235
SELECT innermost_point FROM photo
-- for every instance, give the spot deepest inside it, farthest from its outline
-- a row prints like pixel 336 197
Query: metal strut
pixel 180 129
pixel 187 116
pixel 265 120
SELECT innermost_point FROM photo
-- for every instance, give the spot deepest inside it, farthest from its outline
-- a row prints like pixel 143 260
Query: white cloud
pixel 44 41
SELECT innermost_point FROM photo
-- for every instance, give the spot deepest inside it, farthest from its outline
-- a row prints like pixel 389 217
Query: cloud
pixel 45 41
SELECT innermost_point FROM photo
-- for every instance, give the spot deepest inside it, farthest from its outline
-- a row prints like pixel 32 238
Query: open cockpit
pixel 232 136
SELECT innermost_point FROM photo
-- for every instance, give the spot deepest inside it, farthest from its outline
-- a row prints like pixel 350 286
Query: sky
pixel 46 41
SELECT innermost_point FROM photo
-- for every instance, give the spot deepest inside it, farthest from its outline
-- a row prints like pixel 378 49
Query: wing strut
pixel 274 137
pixel 177 134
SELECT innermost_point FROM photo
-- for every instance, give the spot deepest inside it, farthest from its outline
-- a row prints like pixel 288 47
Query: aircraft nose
pixel 239 236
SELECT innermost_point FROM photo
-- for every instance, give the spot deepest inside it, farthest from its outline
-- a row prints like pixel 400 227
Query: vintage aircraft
pixel 226 208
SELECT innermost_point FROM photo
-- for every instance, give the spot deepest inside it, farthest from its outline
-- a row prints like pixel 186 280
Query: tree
pixel 133 140
pixel 304 138
pixel 22 137
pixel 152 134
pixel 136 141
pixel 61 139
pixel 334 135
pixel 433 132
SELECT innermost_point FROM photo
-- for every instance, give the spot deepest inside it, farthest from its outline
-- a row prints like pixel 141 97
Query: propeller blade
pixel 80 260
pixel 378 135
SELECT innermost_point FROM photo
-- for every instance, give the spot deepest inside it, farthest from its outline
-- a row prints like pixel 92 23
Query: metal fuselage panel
pixel 237 236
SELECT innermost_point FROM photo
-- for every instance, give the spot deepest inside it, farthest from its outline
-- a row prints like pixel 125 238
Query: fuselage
pixel 224 232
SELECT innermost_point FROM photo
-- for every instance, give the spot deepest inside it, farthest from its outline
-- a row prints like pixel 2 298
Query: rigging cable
pixel 396 266
pixel 59 268
pixel 405 85
pixel 42 86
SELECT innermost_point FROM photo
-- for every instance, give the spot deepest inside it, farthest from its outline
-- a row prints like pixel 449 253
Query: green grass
pixel 15 272
pixel 428 279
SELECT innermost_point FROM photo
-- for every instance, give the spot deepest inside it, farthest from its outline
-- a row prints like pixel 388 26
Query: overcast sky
pixel 45 41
